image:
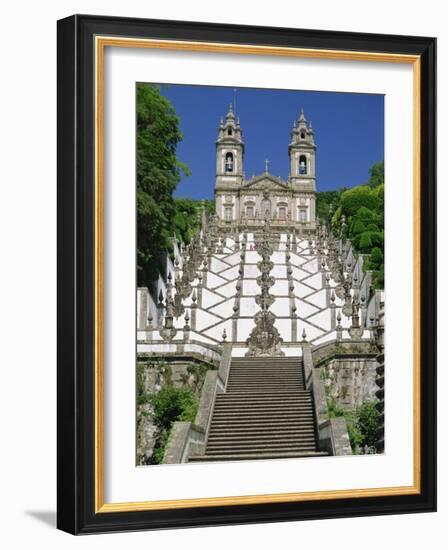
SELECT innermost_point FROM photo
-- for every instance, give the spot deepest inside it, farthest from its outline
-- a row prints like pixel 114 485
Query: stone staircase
pixel 265 413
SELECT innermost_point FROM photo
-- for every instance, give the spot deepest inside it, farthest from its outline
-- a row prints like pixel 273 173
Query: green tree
pixel 188 216
pixel 368 422
pixel 357 197
pixel 376 173
pixel 324 200
pixel 363 209
pixel 158 173
pixel 169 405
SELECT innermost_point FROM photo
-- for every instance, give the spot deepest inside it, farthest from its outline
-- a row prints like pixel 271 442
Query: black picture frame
pixel 76 255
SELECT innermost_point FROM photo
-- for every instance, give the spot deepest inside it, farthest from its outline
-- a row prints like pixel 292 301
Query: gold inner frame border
pixel 100 44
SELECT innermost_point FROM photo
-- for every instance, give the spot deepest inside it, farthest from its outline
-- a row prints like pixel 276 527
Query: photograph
pixel 260 267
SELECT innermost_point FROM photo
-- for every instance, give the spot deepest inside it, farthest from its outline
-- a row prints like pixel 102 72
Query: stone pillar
pixel 193 309
pixel 293 327
pixel 333 315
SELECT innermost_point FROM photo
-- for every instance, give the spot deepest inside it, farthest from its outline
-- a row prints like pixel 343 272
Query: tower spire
pixel 230 115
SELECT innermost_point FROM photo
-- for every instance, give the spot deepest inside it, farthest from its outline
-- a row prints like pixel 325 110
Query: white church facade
pixel 248 202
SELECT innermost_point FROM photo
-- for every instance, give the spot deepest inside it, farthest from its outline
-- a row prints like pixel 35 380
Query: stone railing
pixel 188 438
pixel 332 432
pixel 185 438
pixel 333 437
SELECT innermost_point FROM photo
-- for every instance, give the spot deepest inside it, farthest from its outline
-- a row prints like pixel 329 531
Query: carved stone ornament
pixel 264 338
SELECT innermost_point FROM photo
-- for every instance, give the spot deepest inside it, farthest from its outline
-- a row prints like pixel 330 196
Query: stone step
pixel 266 399
pixel 262 411
pixel 231 431
pixel 249 394
pixel 242 438
pixel 249 370
pixel 257 456
pixel 259 449
pixel 265 368
pixel 265 381
pixel 253 399
pixel 305 407
pixel 266 371
pixel 265 425
pixel 263 419
pixel 285 384
pixel 266 360
pixel 263 387
pixel 236 391
pixel 271 378
pixel 234 449
pixel 296 416
pixel 296 426
pixel 263 416
pixel 284 403
pixel 262 404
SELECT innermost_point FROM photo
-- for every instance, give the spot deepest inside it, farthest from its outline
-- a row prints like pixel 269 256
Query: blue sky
pixel 348 131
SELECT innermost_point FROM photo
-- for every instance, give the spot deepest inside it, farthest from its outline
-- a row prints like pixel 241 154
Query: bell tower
pixel 302 172
pixel 302 155
pixel 229 166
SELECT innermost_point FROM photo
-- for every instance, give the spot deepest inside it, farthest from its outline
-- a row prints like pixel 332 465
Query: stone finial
pixel 224 335
pixel 150 319
pixel 293 310
pixel 160 297
pixel 304 335
pixel 187 320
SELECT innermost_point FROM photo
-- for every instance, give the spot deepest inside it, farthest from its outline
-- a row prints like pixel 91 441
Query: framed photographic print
pixel 246 271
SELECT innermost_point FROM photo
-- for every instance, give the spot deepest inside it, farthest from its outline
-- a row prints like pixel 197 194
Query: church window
pixel 302 135
pixel 302 215
pixel 229 132
pixel 302 165
pixel 249 211
pixel 265 208
pixel 229 162
pixel 228 212
pixel 282 213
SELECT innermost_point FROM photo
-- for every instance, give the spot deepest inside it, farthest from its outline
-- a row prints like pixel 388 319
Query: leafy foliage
pixel 158 173
pixel 376 175
pixel 368 423
pixel 363 208
pixel 324 200
pixel 362 423
pixel 188 215
pixel 171 404
pixel 160 215
pixel 357 197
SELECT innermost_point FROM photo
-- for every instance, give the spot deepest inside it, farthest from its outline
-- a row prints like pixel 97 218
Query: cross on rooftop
pixel 266 162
